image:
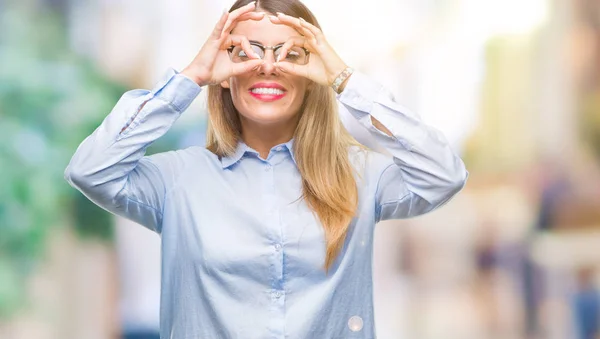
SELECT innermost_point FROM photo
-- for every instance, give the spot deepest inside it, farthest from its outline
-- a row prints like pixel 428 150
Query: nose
pixel 268 66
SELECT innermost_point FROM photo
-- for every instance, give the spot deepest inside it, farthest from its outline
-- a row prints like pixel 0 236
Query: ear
pixel 311 85
pixel 225 84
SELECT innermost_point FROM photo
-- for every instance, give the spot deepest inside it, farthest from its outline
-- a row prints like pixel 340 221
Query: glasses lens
pixel 239 55
pixel 295 55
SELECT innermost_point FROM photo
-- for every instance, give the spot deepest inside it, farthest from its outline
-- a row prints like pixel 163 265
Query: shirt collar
pixel 242 149
pixel 290 147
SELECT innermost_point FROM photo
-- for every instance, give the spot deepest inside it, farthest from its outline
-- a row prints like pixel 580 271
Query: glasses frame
pixel 266 48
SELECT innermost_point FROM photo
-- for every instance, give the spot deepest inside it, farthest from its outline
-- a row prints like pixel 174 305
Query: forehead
pixel 264 31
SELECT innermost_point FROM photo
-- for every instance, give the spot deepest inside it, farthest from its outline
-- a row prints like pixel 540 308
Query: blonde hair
pixel 328 183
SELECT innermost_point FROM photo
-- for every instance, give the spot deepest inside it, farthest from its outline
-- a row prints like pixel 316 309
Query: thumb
pixel 246 66
pixel 287 67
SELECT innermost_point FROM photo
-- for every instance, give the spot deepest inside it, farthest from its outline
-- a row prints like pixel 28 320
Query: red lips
pixel 267 97
pixel 268 85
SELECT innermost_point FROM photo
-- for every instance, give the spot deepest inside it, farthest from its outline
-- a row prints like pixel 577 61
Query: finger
pixel 256 16
pixel 294 69
pixel 275 20
pixel 316 31
pixel 246 66
pixel 240 40
pixel 220 25
pixel 282 19
pixel 242 10
pixel 249 16
pixel 291 42
pixel 296 24
pixel 234 15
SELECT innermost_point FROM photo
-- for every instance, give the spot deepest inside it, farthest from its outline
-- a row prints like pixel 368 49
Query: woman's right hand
pixel 212 64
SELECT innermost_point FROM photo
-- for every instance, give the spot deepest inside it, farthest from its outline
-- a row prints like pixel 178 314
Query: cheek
pixel 235 89
pixel 300 92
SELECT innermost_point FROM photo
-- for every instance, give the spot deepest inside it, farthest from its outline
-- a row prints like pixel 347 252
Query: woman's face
pixel 267 95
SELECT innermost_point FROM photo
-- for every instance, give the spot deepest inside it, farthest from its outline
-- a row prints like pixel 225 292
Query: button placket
pixel 272 222
pixel 276 257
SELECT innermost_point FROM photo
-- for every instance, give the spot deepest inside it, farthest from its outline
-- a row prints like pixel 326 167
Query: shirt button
pixel 278 148
pixel 277 247
pixel 268 168
pixel 355 323
pixel 278 294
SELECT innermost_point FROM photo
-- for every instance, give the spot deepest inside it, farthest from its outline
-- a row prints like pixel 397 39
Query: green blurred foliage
pixel 591 121
pixel 50 100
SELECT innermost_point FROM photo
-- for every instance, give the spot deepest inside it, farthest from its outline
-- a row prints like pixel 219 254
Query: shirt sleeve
pixel 423 172
pixel 110 167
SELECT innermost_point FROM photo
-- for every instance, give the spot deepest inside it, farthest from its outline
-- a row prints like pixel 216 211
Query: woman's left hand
pixel 324 64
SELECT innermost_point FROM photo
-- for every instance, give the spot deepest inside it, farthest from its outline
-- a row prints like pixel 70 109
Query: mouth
pixel 267 92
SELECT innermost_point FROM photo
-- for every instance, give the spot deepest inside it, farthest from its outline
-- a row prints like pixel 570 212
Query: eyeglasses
pixel 296 55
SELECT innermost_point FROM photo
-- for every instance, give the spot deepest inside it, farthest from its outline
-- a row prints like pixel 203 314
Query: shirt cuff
pixel 360 92
pixel 176 89
pixel 367 98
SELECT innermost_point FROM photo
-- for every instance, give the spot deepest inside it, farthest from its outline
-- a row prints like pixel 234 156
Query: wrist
pixel 341 79
pixel 335 72
pixel 343 85
pixel 193 75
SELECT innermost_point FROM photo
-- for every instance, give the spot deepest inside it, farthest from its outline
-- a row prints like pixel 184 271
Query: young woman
pixel 268 232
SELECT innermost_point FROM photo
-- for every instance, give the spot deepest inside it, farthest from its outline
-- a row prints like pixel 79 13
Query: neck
pixel 262 138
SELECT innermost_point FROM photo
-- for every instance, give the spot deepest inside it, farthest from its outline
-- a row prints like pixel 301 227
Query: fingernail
pixel 272 17
pixel 279 13
pixel 252 3
pixel 302 19
pixel 277 60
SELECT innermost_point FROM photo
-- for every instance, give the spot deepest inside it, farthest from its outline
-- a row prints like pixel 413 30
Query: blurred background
pixel 514 85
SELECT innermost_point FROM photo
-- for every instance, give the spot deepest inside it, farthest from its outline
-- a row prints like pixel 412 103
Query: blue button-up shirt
pixel 242 254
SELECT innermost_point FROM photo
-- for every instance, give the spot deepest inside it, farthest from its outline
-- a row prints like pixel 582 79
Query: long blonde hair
pixel 321 144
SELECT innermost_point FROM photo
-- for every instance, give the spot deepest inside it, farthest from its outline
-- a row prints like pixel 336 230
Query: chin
pixel 268 116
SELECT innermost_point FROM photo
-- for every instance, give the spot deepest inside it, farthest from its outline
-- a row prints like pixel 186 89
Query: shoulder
pixel 176 161
pixel 182 164
pixel 182 156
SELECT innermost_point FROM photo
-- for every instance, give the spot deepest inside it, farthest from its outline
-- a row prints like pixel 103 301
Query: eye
pixel 238 54
pixel 292 56
pixel 295 55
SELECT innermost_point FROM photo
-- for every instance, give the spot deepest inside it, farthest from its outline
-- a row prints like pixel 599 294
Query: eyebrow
pixel 258 42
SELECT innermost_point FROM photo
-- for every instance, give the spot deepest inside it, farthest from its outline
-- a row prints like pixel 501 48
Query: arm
pixel 109 167
pixel 424 172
